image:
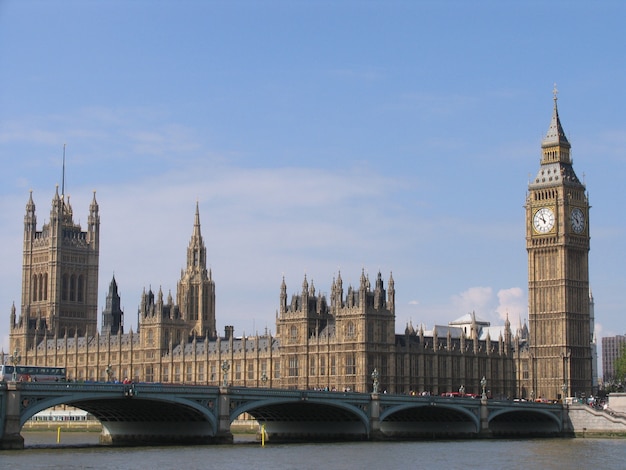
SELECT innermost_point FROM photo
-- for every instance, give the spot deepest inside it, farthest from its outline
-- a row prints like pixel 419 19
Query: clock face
pixel 543 221
pixel 577 218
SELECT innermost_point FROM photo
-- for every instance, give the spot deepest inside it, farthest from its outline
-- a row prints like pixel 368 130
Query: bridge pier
pixel 375 432
pixel 11 437
pixel 484 418
pixel 223 435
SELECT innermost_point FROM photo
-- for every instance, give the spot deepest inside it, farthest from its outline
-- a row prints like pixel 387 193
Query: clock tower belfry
pixel 557 241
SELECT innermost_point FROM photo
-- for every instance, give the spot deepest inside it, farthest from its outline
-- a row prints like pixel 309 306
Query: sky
pixel 317 138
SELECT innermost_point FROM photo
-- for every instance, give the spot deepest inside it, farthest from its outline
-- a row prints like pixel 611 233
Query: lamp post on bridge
pixel 109 372
pixel 225 369
pixel 264 378
pixel 375 376
pixel 483 384
pixel 15 359
pixel 564 388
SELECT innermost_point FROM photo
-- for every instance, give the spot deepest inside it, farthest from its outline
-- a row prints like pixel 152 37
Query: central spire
pixel 196 224
pixel 196 253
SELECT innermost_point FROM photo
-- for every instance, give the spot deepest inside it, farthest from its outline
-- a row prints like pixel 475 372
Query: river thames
pixel 546 454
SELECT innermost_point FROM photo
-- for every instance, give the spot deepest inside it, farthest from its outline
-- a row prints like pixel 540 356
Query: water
pixel 545 454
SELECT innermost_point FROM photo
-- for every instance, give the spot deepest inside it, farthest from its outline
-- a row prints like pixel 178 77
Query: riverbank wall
pixel 586 421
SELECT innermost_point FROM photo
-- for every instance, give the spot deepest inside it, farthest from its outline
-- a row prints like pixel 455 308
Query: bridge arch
pixel 525 422
pixel 105 408
pixel 311 418
pixel 428 420
pixel 132 414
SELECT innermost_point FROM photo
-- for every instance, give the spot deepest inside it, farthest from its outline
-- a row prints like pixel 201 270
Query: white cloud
pixel 512 304
pixel 474 299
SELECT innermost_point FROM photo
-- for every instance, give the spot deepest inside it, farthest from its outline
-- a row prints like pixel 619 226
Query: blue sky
pixel 317 137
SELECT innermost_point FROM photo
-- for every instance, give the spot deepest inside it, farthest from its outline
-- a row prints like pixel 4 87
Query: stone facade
pixel 59 276
pixel 557 241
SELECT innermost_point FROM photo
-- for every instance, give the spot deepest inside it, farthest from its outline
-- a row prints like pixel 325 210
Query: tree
pixel 620 366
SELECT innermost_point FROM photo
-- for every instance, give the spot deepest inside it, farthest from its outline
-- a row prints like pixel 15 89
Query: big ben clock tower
pixel 557 241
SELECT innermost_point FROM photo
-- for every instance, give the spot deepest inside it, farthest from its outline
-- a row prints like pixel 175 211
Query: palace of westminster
pixel 330 343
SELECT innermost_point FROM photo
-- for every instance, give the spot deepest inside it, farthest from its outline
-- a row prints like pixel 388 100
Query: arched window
pixel 350 330
pixel 81 290
pixel 72 287
pixel 35 290
pixel 350 364
pixel 65 287
pixel 293 366
pixel 45 286
pixel 41 287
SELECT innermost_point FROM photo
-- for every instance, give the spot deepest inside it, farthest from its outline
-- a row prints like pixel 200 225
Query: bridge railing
pixel 108 386
pixel 296 393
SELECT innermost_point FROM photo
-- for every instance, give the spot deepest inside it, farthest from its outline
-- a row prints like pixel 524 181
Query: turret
pixel 391 295
pixel 93 224
pixel 30 219
pixel 112 315
pixel 283 296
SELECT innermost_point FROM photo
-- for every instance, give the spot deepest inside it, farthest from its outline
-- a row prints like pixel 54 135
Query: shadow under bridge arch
pixel 307 419
pixel 526 422
pixel 429 420
pixel 151 420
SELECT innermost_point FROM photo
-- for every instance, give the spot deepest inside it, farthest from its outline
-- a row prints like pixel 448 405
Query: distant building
pixel 612 348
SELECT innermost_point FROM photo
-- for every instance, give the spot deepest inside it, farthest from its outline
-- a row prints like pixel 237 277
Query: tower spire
pixel 196 224
pixel 63 175
pixel 555 134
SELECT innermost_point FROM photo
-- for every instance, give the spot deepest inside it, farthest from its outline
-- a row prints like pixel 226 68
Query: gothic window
pixel 322 365
pixel 35 289
pixel 149 374
pixel 205 304
pixel 150 339
pixel 200 372
pixel 189 377
pixel 277 370
pixel 293 366
pixel 294 332
pixel 238 370
pixel 80 289
pixel 193 307
pixel 45 286
pixel 312 366
pixel 65 287
pixel 350 330
pixel 350 365
pixel 40 287
pixel 333 366
pixel 166 374
pixel 72 287
pixel 251 370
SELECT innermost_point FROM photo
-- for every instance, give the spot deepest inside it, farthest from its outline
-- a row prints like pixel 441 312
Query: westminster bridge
pixel 138 414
